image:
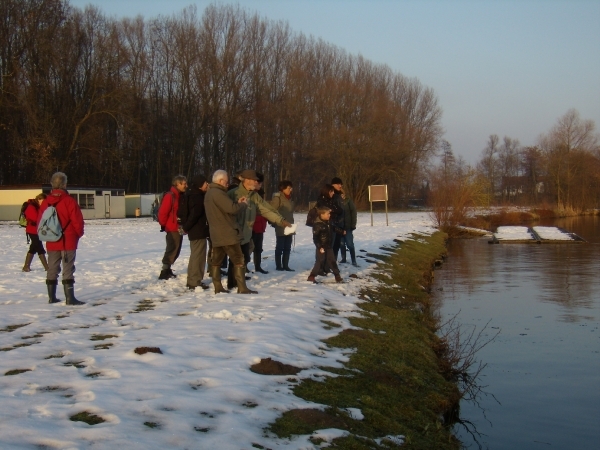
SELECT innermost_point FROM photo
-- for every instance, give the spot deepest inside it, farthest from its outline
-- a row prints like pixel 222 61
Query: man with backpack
pixel 63 250
pixel 192 217
pixel 169 222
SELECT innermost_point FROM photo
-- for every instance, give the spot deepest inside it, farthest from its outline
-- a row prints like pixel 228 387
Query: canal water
pixel 543 368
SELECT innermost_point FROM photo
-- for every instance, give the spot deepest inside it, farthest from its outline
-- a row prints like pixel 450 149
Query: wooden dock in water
pixel 534 235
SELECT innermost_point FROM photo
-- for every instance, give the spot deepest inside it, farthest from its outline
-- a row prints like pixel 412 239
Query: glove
pixel 285 224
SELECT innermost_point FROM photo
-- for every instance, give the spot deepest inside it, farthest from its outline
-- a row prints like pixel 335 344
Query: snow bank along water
pixel 59 361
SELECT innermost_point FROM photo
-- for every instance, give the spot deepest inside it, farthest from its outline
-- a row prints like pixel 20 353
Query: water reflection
pixel 544 368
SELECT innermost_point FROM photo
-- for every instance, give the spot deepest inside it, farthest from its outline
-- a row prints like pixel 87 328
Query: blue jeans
pixel 348 241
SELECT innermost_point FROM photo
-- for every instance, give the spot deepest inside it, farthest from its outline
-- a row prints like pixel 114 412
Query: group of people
pixel 226 221
pixel 222 221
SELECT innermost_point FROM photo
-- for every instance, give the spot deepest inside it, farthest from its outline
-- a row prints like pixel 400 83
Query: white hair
pixel 58 181
pixel 220 175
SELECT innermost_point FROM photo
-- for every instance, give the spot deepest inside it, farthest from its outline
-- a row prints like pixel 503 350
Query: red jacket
pixel 31 214
pixel 260 224
pixel 167 214
pixel 69 216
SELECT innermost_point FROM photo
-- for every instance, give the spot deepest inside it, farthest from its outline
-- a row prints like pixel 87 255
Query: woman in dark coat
pixel 36 246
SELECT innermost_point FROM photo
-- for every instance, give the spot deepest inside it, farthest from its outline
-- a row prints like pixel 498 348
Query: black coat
pixel 337 212
pixel 195 225
pixel 322 233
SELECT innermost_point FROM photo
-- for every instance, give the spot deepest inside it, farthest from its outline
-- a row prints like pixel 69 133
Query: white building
pixel 95 202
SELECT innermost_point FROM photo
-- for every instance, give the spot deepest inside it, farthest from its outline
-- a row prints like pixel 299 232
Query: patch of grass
pixel 329 325
pixel 94 374
pixel 87 417
pixel 145 305
pixel 101 337
pixel 103 346
pixel 152 424
pixel 57 355
pixel 77 364
pixel 394 375
pixel 11 328
pixel 16 372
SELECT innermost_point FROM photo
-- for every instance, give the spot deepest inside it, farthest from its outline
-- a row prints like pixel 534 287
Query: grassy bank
pixel 394 375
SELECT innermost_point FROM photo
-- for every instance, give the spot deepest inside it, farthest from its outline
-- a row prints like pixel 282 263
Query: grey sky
pixel 510 67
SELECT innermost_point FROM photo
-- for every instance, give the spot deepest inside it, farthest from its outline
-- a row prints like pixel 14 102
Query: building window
pixel 86 201
pixel 98 193
pixel 118 193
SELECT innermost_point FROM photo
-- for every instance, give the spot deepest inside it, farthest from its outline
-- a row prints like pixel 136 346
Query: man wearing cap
pixel 222 212
pixel 249 182
pixel 193 221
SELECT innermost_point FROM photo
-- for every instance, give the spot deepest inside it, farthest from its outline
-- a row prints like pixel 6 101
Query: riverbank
pixel 491 219
pixel 394 377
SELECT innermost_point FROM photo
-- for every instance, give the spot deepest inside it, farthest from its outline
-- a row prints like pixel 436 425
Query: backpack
pixel 311 216
pixel 49 228
pixel 164 194
pixel 22 218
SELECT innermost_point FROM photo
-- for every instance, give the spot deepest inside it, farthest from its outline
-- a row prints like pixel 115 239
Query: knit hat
pixel 336 180
pixel 198 181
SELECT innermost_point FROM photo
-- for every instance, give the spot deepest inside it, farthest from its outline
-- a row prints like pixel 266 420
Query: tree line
pixel 131 102
pixel 561 171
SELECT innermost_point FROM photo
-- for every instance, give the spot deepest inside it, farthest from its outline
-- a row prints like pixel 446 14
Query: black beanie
pixel 336 180
pixel 198 181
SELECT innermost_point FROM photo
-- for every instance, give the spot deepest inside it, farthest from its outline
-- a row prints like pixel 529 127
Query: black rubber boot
pixel 343 253
pixel 353 257
pixel 215 273
pixel 286 262
pixel 257 267
pixel 278 265
pixel 240 276
pixel 69 287
pixel 51 285
pixel 231 280
pixel 27 265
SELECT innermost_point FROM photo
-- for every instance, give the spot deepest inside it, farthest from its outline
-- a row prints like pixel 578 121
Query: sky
pixel 505 67
pixel 200 392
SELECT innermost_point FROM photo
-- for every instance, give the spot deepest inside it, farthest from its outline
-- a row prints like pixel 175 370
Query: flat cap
pixel 248 174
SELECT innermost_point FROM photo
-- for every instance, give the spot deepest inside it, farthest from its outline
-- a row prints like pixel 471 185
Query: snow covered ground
pixel 199 393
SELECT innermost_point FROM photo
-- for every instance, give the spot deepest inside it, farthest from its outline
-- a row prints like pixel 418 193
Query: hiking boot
pixel 164 274
pixel 203 286
pixel 27 265
pixel 44 262
pixel 171 273
pixel 311 278
pixel 339 279
pixel 261 270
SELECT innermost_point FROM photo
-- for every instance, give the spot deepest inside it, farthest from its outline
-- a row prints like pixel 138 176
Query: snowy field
pixel 199 393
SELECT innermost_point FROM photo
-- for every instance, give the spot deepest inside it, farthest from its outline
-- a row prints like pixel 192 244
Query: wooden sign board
pixel 379 193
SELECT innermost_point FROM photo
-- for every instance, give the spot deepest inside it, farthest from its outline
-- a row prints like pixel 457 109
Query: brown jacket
pixel 221 212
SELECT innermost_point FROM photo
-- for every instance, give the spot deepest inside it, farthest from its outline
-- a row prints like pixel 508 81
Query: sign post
pixel 379 193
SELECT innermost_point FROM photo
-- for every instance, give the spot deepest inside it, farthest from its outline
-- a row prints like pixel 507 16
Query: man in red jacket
pixel 31 214
pixel 64 250
pixel 167 218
